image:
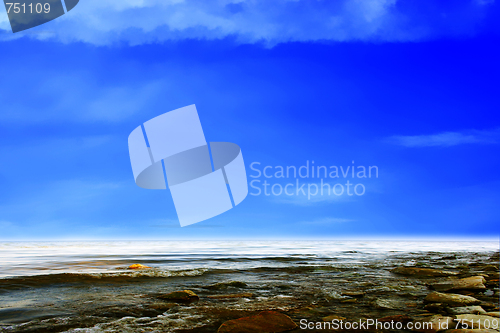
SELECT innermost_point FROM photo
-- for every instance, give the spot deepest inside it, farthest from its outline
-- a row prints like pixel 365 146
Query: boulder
pixel 138 266
pixel 264 322
pixel 180 296
pixel 477 321
pixel 433 324
pixel 470 283
pixel 473 309
pixel 404 270
pixel 451 299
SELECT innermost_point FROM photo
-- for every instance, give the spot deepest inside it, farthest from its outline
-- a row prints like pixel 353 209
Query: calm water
pixel 86 286
pixel 35 258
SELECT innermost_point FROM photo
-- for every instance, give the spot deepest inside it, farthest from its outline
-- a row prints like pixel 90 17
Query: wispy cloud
pixel 447 139
pixel 105 22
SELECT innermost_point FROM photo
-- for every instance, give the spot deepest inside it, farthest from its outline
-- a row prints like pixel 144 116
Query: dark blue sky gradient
pixel 68 108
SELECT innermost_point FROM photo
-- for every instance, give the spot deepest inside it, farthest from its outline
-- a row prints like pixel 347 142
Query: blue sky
pixel 411 88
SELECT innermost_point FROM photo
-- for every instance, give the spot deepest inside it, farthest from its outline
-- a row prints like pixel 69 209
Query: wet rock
pixel 451 299
pixel 490 268
pixel 228 284
pixel 242 295
pixel 333 317
pixel 488 305
pixel 180 296
pixel 416 271
pixel 433 324
pixel 470 283
pixel 474 309
pixel 477 321
pixel 353 293
pixel 388 304
pixel 138 266
pixel 264 322
pixel 493 314
pixel 349 300
pixel 436 307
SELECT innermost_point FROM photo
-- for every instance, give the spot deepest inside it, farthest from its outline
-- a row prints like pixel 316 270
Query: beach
pixel 89 287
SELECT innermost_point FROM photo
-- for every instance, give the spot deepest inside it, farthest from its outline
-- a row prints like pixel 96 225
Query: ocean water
pixel 38 258
pixel 86 286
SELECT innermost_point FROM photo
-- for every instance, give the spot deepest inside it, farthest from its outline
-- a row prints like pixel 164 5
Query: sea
pixel 86 286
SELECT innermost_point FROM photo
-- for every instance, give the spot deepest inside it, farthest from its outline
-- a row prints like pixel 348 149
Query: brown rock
pixel 403 270
pixel 138 266
pixel 473 309
pixel 493 314
pixel 477 321
pixel 242 295
pixel 333 317
pixel 451 299
pixel 180 296
pixel 264 322
pixel 353 293
pixel 470 283
pixel 433 324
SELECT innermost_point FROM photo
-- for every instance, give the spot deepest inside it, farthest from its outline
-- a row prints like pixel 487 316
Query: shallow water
pixel 86 286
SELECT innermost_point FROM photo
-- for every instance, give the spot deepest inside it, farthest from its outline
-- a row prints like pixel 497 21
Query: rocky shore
pixel 429 292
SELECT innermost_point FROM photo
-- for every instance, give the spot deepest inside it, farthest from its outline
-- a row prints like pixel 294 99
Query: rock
pixel 451 299
pixel 470 331
pixel 433 324
pixel 436 307
pixel 488 305
pixel 473 309
pixel 470 283
pixel 228 284
pixel 242 295
pixel 404 270
pixel 264 322
pixel 138 266
pixel 353 293
pixel 333 317
pixel 477 321
pixel 349 300
pixel 180 296
pixel 493 314
pixel 490 268
pixel 388 304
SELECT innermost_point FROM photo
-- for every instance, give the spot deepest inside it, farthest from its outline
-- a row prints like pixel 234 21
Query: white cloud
pixel 447 139
pixel 104 22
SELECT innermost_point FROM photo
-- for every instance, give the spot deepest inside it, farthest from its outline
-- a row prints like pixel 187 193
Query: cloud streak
pixel 446 139
pixel 105 22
